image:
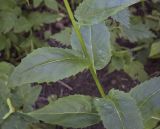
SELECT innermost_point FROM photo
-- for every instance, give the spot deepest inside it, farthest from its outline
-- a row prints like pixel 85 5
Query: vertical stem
pixel 84 49
pixel 11 109
pixel 76 28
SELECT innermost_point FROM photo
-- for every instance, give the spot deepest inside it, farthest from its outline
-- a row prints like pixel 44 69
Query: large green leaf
pixel 147 96
pixel 24 97
pixel 94 11
pixel 119 111
pixel 48 64
pixel 73 111
pixel 97 39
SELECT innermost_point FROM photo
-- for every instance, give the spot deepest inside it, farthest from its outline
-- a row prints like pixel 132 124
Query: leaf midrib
pixel 118 112
pixel 148 98
pixel 52 61
pixel 94 114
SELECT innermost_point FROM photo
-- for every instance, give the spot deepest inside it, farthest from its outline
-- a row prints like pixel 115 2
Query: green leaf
pixel 24 97
pixel 151 124
pixel 5 91
pixel 94 11
pixel 73 111
pixel 3 42
pixel 32 42
pixel 119 60
pixel 17 121
pixel 8 20
pixel 64 36
pixel 38 18
pixel 7 4
pixel 123 17
pixel 137 32
pixel 6 68
pixel 3 109
pixel 36 3
pixel 54 63
pixel 52 4
pixel 22 25
pixel 155 50
pixel 97 39
pixel 136 70
pixel 147 96
pixel 119 111
pixel 4 94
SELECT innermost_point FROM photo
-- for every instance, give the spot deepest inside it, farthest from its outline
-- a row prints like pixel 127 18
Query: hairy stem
pixel 84 49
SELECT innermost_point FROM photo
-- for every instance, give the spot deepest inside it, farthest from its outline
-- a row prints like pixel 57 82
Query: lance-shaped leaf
pixel 97 39
pixel 119 111
pixel 48 64
pixel 73 111
pixel 147 96
pixel 94 11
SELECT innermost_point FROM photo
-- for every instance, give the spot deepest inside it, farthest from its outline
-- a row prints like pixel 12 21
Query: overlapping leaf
pixel 24 97
pixel 4 93
pixel 155 50
pixel 119 111
pixel 37 18
pixel 64 36
pixel 95 11
pixel 136 70
pixel 97 39
pixel 17 121
pixel 123 17
pixel 48 64
pixel 73 111
pixel 137 32
pixel 147 96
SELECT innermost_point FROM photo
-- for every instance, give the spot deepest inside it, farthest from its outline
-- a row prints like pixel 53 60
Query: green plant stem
pixel 76 28
pixel 84 49
pixel 28 2
pixel 11 109
pixel 135 49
